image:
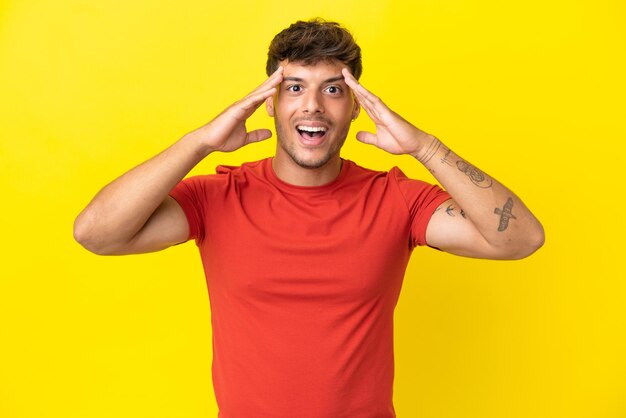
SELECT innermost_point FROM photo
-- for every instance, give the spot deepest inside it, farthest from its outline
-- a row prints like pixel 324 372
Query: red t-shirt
pixel 303 282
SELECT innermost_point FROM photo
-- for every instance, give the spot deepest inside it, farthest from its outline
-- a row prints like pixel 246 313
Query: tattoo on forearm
pixel 449 210
pixel 430 151
pixel 463 214
pixel 477 177
pixel 444 159
pixel 505 214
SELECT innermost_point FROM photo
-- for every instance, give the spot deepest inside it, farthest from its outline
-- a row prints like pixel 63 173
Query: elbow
pixel 536 239
pixel 533 241
pixel 80 231
pixel 540 238
pixel 85 236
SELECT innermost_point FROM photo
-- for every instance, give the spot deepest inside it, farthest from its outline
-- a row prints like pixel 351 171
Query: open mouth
pixel 311 135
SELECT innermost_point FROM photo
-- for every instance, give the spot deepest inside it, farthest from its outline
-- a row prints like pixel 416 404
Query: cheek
pixel 343 111
pixel 285 105
pixel 342 115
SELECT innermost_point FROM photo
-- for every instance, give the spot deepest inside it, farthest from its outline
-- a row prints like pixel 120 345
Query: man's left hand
pixel 393 133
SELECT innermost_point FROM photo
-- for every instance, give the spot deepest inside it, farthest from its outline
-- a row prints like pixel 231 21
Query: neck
pixel 290 172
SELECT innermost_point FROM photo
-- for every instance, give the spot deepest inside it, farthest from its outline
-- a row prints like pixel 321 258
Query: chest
pixel 331 248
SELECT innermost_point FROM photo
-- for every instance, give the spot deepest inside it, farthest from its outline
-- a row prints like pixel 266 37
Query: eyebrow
pixel 329 80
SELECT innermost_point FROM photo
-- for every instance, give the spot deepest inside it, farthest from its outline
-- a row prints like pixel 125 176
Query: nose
pixel 312 103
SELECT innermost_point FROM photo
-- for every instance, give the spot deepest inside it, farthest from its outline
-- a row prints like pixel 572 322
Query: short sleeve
pixel 422 199
pixel 190 195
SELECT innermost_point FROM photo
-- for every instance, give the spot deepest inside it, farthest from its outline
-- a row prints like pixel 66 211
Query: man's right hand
pixel 134 214
pixel 227 132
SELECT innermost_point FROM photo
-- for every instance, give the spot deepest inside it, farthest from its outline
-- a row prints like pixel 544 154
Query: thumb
pixel 258 135
pixel 366 137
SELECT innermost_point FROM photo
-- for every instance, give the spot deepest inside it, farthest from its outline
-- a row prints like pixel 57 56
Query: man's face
pixel 312 111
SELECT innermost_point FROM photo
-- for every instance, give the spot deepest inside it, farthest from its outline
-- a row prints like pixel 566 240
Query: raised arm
pixel 134 213
pixel 484 219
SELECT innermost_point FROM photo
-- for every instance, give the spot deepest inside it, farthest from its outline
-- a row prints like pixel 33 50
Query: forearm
pixel 496 212
pixel 500 226
pixel 122 207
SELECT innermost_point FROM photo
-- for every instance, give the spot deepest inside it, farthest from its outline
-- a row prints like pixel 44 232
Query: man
pixel 304 253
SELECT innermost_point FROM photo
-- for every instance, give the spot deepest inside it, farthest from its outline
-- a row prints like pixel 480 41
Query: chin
pixel 307 157
pixel 311 162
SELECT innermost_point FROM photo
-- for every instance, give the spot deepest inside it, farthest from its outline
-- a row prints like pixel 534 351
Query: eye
pixel 333 89
pixel 295 88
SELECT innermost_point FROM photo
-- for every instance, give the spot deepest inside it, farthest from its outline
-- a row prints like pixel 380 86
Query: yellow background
pixel 531 92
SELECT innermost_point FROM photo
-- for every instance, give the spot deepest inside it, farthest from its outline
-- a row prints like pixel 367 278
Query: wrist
pixel 198 143
pixel 425 145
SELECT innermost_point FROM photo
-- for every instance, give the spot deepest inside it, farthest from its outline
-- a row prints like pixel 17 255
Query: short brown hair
pixel 314 41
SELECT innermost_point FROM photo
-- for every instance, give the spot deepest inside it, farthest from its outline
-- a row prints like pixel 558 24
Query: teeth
pixel 311 128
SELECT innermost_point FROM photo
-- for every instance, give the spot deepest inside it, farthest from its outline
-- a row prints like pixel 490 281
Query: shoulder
pixel 244 168
pixel 226 173
pixel 394 184
pixel 224 178
pixel 414 192
pixel 358 172
pixel 394 175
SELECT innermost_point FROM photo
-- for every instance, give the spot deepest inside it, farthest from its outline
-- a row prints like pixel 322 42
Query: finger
pixel 253 100
pixel 277 74
pixel 353 84
pixel 349 78
pixel 258 135
pixel 358 88
pixel 371 103
pixel 272 81
pixel 367 137
pixel 248 105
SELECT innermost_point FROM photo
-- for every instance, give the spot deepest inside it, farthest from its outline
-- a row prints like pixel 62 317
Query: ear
pixel 269 106
pixel 356 110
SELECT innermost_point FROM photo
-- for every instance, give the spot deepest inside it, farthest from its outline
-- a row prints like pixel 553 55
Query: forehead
pixel 319 71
